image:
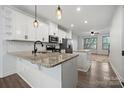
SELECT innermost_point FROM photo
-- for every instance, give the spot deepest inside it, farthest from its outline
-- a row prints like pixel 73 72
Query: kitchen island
pixel 47 70
pixel 83 62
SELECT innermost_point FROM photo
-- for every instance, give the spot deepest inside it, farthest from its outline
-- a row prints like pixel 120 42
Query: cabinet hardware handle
pixel 26 36
pixel 43 39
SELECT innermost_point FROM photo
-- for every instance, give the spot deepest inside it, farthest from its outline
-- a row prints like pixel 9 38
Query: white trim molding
pixel 117 74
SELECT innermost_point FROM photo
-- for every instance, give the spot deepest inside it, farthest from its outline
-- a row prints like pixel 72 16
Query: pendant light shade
pixel 35 23
pixel 59 13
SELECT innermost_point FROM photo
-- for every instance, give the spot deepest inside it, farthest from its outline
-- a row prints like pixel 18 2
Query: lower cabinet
pixel 61 76
pixel 84 61
pixel 69 73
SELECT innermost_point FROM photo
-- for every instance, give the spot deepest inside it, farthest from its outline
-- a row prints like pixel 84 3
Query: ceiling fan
pixel 94 33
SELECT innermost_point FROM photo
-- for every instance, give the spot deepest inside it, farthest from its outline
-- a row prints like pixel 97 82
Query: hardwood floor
pixel 100 75
pixel 13 81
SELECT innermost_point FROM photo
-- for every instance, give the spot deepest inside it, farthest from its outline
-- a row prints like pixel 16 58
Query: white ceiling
pixel 98 16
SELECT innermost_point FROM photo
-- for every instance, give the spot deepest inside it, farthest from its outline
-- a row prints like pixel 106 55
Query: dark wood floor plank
pixel 100 75
pixel 13 81
pixel 2 84
pixel 22 82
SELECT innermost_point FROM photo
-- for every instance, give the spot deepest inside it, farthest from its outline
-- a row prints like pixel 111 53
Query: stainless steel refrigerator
pixel 67 45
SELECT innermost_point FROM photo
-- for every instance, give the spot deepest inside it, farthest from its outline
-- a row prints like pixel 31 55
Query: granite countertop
pixel 82 50
pixel 45 59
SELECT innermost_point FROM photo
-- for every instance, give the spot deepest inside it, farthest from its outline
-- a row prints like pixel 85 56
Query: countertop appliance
pixel 67 45
pixel 53 39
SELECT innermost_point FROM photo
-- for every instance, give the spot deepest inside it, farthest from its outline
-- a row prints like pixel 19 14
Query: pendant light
pixel 36 23
pixel 59 13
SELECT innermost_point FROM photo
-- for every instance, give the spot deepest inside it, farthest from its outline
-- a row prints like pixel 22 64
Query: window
pixel 90 43
pixel 105 42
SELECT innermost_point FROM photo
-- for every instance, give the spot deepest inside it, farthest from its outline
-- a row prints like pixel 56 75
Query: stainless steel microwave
pixel 53 39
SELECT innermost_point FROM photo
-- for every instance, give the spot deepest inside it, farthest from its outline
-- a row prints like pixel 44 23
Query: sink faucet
pixel 35 48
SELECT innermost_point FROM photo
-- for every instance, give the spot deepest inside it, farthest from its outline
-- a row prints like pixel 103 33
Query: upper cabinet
pixel 31 33
pixel 42 32
pixel 69 35
pixel 15 25
pixel 64 34
pixel 8 22
pixel 19 26
pixel 53 29
pixel 60 35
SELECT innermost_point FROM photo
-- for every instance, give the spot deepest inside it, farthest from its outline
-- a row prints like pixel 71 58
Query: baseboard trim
pixel 7 74
pixel 117 74
pixel 25 80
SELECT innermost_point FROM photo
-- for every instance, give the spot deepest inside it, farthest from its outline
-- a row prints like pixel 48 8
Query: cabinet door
pixel 8 18
pixel 53 29
pixel 64 34
pixel 44 32
pixel 69 35
pixel 20 26
pixel 31 30
pixel 69 73
pixel 38 30
pixel 60 35
pixel 38 34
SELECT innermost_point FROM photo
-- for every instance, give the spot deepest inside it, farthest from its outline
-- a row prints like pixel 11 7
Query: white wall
pixel 1 31
pixel 75 42
pixel 80 43
pixel 116 39
pixel 0 57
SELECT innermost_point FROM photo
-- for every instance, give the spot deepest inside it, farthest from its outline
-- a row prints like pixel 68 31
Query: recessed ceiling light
pixel 72 25
pixel 85 22
pixel 78 9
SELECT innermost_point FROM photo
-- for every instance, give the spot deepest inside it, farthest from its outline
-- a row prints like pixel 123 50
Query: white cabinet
pixel 69 35
pixel 69 74
pixel 84 62
pixel 8 17
pixel 64 34
pixel 31 30
pixel 53 29
pixel 42 32
pixel 15 25
pixel 61 34
pixel 21 28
